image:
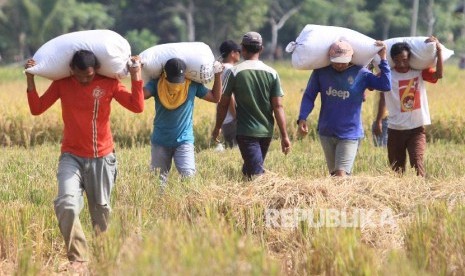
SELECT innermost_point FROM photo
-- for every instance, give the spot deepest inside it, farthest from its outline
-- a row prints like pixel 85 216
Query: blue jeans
pixel 339 153
pixel 253 152
pixel 184 160
pixel 381 140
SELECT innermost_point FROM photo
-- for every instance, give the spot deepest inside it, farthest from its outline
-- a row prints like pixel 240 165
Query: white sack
pixel 423 54
pixel 198 57
pixel 310 49
pixel 111 49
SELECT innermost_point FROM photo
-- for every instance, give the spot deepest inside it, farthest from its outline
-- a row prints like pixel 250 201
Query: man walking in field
pixel 87 162
pixel 173 133
pixel 231 55
pixel 258 94
pixel 407 104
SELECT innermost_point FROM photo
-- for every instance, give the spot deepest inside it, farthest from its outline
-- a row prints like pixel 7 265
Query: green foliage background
pixel 26 24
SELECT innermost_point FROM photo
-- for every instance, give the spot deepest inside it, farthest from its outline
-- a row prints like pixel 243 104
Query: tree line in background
pixel 27 24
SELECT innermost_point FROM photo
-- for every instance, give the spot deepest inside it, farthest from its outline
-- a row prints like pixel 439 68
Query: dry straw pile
pixel 244 204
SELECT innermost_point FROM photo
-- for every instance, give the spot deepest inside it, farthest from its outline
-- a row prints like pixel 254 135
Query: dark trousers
pixel 253 151
pixel 229 134
pixel 412 141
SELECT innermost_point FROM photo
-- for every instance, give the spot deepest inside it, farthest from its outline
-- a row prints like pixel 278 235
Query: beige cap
pixel 340 52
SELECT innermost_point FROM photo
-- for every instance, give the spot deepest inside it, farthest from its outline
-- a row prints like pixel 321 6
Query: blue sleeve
pixel 200 89
pixel 309 96
pixel 381 82
pixel 151 87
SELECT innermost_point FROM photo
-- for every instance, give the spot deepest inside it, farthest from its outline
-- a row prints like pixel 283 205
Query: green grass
pixel 214 224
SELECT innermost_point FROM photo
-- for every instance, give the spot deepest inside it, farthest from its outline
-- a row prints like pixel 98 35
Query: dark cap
pixel 252 38
pixel 228 46
pixel 175 69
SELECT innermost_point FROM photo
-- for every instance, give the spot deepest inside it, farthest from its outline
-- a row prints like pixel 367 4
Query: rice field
pixel 294 220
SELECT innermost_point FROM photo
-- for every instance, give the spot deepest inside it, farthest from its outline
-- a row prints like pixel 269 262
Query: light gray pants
pixel 339 153
pixel 76 175
pixel 183 156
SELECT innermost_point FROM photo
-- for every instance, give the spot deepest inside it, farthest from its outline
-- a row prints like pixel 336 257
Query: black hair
pixel 84 59
pixel 398 48
pixel 253 48
pixel 227 47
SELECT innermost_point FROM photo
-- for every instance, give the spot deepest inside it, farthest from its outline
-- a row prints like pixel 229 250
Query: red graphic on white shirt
pixel 409 95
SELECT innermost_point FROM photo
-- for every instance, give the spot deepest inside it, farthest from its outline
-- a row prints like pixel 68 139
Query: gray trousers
pixel 76 175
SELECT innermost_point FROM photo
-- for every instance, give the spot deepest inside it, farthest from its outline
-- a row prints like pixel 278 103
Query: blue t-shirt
pixel 172 128
pixel 341 98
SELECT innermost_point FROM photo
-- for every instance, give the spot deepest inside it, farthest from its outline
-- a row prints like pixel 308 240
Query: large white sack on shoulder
pixel 111 49
pixel 198 57
pixel 310 49
pixel 423 55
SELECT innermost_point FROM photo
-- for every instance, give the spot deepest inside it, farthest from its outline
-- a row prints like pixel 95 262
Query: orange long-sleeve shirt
pixel 86 111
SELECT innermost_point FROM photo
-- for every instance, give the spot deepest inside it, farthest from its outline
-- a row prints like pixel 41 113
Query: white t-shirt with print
pixel 407 102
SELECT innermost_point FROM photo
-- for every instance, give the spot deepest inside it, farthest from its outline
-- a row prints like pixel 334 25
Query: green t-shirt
pixel 254 84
